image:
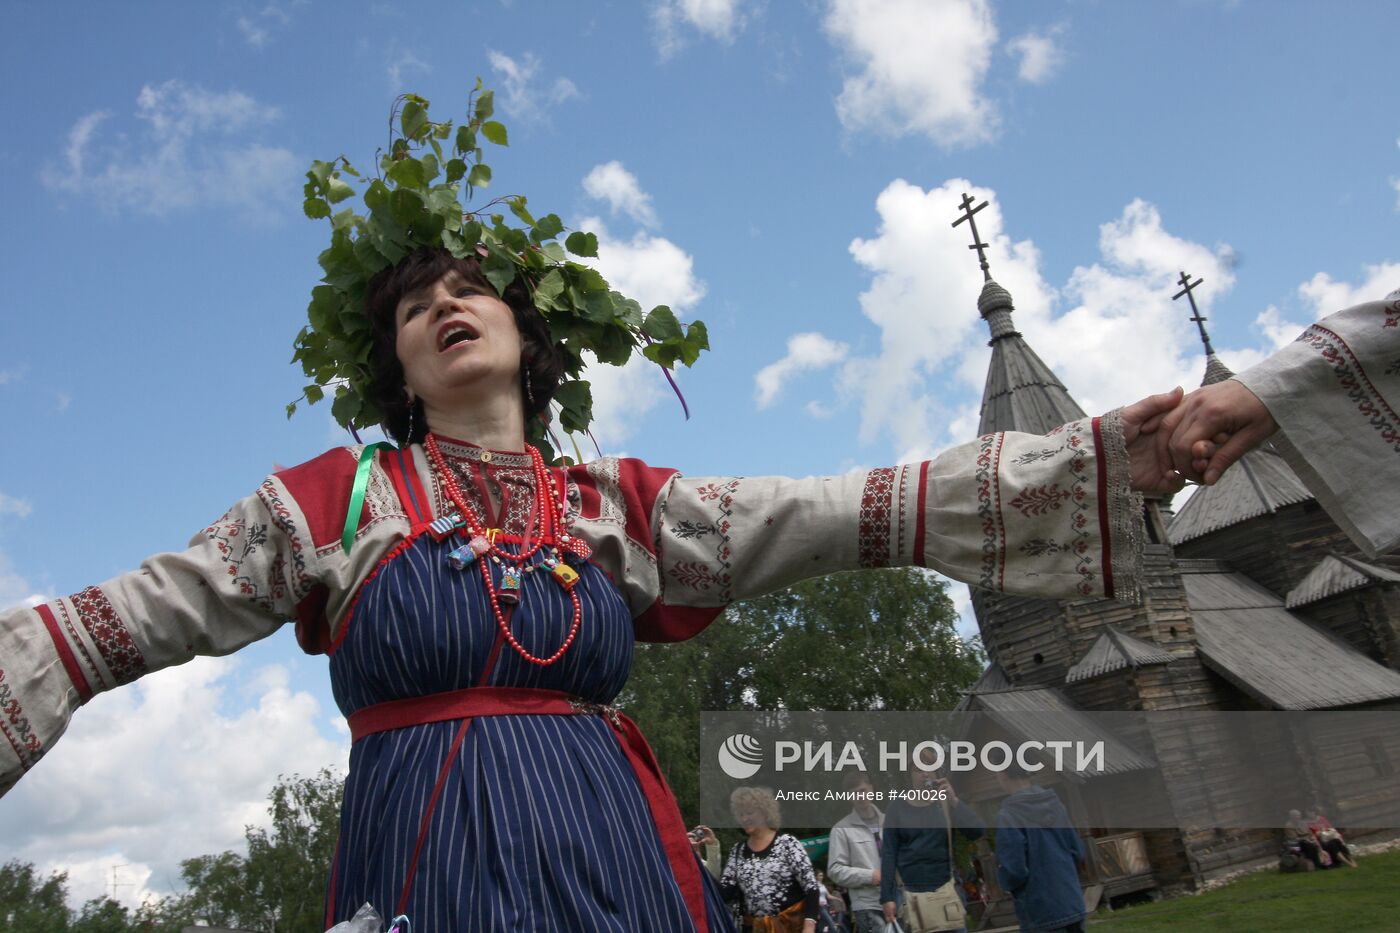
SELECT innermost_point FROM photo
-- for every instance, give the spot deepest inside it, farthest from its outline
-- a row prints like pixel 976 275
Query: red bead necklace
pixel 483 543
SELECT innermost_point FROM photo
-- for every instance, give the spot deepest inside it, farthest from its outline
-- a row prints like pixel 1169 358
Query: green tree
pixel 280 884
pixel 869 640
pixel 287 868
pixel 101 915
pixel 31 903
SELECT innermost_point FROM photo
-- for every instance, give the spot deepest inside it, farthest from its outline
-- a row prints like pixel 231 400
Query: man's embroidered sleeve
pixel 1335 393
pixel 240 578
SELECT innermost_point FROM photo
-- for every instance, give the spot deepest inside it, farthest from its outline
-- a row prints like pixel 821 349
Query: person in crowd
pixel 769 874
pixel 916 851
pixel 706 845
pixel 1038 856
pixel 854 857
pixel 1297 836
pixel 1329 839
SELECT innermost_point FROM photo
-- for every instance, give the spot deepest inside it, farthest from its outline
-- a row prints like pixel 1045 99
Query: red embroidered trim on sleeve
pixel 65 653
pixel 1105 530
pixel 873 533
pixel 109 633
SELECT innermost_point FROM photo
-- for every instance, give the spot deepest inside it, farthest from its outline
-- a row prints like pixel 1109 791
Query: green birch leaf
pixel 407 173
pixel 661 324
pixel 548 227
pixel 550 287
pixel 517 207
pixel 315 208
pixel 338 190
pixel 346 405
pixel 582 244
pixel 413 118
pixel 485 106
pixel 499 271
pixel 480 175
pixel 496 132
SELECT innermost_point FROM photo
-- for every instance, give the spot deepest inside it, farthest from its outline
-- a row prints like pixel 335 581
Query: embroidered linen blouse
pixel 1044 516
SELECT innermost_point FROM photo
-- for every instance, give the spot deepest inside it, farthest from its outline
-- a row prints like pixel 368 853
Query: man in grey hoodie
pixel 1038 856
pixel 853 861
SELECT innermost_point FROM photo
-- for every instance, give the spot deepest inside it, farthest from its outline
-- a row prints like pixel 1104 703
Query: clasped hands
pixel 1173 438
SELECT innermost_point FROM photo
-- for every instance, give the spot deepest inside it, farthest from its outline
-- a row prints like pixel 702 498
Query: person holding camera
pixel 916 854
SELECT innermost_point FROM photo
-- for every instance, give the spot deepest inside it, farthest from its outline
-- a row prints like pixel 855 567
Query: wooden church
pixel 1253 599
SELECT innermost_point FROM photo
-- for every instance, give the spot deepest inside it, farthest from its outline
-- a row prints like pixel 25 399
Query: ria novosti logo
pixel 740 756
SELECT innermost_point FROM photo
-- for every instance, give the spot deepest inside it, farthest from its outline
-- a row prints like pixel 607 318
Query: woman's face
pixel 456 335
pixel 751 819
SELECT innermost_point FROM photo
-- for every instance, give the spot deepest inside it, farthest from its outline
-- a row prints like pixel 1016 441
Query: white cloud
pixel 1040 55
pixel 258 28
pixel 10 375
pixel 161 771
pixel 520 95
pixel 1279 332
pixel 190 148
pixel 654 271
pixel 612 183
pixel 921 66
pixel 402 64
pixel 805 352
pixel 649 268
pixel 717 19
pixel 9 505
pixel 15 590
pixel 1324 295
pixel 933 353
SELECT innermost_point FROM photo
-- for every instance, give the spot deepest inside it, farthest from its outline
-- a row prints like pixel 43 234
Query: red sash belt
pixel 472 702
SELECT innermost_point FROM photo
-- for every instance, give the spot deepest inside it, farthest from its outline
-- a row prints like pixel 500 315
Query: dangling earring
pixel 408 438
pixel 529 390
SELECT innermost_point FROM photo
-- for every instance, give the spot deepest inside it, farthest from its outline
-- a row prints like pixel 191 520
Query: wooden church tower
pixel 1213 631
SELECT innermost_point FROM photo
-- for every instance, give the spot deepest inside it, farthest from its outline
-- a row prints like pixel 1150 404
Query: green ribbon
pixel 357 492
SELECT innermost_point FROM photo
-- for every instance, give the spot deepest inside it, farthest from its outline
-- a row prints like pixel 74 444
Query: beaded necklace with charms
pixel 481 548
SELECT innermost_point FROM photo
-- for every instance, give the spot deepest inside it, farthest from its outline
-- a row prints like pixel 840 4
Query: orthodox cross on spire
pixel 1186 286
pixel 977 244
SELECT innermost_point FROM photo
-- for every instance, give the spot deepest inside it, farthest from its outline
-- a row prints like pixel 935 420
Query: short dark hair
pixel 541 362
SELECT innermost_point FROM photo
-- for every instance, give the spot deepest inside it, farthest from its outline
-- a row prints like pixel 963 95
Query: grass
pixel 1343 899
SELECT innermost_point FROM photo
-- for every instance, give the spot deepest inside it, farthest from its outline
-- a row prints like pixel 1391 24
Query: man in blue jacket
pixel 1038 856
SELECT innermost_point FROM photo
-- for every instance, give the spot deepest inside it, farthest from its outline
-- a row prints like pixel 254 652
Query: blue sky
pixel 787 172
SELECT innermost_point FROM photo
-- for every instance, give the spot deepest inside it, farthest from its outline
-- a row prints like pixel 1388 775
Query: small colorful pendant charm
pixel 462 557
pixel 443 526
pixel 575 546
pixel 479 544
pixel 564 575
pixel 509 593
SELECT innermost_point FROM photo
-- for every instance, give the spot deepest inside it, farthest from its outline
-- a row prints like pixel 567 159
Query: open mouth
pixel 454 334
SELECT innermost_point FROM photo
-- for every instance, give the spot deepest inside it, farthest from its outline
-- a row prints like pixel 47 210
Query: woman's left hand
pixel 1150 467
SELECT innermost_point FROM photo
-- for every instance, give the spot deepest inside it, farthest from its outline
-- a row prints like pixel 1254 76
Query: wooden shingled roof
pixel 1258 484
pixel 1114 651
pixel 1036 713
pixel 1336 574
pixel 1245 634
pixel 1022 394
